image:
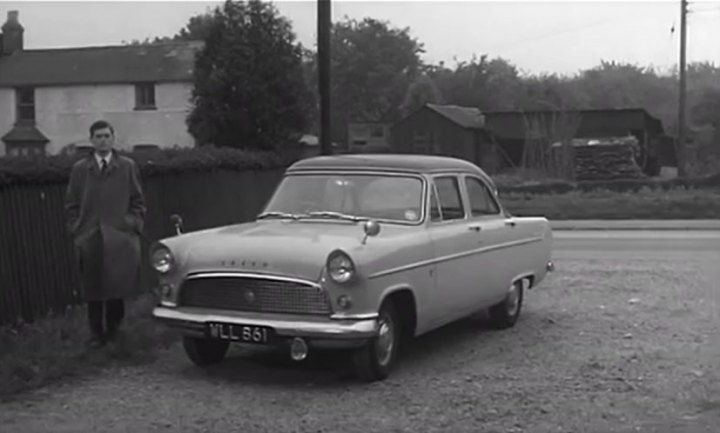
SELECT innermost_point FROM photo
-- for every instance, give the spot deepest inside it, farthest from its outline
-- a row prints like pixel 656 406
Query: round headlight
pixel 162 260
pixel 340 266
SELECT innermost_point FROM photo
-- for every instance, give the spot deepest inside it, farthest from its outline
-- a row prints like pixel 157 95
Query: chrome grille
pixel 255 295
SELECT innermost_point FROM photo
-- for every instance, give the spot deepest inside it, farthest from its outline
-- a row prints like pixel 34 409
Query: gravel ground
pixel 602 346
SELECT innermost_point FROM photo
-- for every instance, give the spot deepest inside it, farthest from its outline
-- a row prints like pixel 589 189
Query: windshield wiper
pixel 336 215
pixel 278 215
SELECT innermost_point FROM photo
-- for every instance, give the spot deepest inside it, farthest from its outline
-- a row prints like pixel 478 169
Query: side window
pixel 449 197
pixel 481 200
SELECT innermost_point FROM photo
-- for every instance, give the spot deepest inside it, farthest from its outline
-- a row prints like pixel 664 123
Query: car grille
pixel 255 295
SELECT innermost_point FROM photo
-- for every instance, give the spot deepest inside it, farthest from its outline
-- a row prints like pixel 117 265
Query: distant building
pixel 50 97
pixel 511 129
pixel 368 137
pixel 448 130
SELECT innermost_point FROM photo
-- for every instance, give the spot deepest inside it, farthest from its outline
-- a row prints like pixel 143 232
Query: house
pixel 368 137
pixel 449 130
pixel 50 97
pixel 512 129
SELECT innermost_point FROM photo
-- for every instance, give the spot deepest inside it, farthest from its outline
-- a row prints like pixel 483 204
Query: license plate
pixel 239 333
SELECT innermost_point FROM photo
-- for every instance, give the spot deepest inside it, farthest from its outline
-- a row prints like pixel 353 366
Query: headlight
pixel 340 267
pixel 162 260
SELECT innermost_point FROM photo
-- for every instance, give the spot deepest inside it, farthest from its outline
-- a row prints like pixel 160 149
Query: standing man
pixel 105 210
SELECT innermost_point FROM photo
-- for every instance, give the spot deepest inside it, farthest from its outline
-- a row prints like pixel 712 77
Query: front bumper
pixel 319 331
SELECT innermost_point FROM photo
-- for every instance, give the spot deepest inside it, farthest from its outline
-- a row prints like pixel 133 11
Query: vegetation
pixel 56 168
pixel 37 354
pixel 378 76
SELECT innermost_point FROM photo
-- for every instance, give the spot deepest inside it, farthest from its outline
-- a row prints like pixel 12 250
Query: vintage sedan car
pixel 353 252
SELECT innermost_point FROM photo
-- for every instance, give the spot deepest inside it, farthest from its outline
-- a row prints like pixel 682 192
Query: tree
pixel 249 87
pixel 422 91
pixel 372 66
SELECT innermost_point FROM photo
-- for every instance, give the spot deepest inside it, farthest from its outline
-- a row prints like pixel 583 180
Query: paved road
pixel 567 368
pixel 637 244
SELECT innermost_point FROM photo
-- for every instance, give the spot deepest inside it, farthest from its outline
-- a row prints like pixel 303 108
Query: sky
pixel 537 36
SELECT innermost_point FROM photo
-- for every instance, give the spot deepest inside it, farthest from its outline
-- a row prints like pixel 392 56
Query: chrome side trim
pixel 455 256
pixel 195 318
pixel 252 275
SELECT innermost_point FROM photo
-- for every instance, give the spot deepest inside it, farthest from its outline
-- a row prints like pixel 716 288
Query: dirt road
pixel 604 345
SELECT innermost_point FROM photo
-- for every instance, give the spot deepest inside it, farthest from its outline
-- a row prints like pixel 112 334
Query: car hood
pixel 291 248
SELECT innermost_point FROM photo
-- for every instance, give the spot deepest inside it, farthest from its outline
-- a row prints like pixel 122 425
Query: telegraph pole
pixel 324 23
pixel 681 103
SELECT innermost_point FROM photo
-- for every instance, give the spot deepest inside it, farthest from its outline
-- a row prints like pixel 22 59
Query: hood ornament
pixel 371 228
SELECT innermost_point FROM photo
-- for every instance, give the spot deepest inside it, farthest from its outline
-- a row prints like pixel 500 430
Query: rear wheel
pixel 202 351
pixel 375 360
pixel 506 313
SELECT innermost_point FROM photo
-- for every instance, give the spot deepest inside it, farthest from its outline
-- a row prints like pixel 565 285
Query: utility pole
pixel 324 23
pixel 681 147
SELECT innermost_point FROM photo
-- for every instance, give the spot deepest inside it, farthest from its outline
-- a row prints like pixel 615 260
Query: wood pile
pixel 606 159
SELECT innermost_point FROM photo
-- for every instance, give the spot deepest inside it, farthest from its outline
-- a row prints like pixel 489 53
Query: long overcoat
pixel 105 215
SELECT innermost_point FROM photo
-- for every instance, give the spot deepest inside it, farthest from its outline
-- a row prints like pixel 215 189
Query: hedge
pixel 56 168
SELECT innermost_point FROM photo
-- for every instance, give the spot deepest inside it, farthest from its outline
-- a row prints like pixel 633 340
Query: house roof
pixel 161 62
pixel 467 117
pixel 24 134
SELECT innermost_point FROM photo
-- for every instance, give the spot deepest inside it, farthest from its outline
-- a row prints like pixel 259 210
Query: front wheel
pixel 506 313
pixel 202 351
pixel 375 360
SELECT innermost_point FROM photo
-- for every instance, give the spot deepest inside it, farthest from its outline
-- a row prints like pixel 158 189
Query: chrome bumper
pixel 191 321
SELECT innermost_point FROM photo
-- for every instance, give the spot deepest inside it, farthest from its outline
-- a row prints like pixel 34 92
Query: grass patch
pixel 35 355
pixel 676 203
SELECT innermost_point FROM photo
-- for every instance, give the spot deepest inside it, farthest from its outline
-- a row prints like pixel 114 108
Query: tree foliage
pixel 249 89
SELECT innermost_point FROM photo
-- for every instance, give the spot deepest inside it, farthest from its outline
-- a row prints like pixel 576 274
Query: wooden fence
pixel 37 269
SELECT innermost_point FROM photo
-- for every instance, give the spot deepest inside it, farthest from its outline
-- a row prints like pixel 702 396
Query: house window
pixel 25 103
pixel 145 96
pixel 25 149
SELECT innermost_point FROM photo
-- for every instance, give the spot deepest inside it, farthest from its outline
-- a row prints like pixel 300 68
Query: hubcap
pixel 513 300
pixel 385 341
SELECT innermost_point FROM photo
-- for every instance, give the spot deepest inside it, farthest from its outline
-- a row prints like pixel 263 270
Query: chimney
pixel 12 34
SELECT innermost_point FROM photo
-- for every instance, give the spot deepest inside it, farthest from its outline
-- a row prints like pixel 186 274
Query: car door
pixel 492 234
pixel 449 234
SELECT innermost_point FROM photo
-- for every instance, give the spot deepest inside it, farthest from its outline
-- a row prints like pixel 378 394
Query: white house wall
pixel 64 114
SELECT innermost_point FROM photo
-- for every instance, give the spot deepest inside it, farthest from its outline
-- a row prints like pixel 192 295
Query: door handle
pixel 475 228
pixel 510 223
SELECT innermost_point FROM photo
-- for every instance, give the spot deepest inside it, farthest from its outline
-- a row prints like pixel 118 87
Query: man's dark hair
pixel 100 124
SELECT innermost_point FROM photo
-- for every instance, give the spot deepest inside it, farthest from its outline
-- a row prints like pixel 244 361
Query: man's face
pixel 103 140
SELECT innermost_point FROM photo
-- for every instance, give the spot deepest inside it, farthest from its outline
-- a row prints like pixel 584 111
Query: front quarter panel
pixel 398 258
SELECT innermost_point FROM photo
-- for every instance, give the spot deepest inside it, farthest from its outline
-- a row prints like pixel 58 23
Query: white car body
pixel 272 277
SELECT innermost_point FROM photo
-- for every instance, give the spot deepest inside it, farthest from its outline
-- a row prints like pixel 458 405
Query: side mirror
pixel 371 228
pixel 177 221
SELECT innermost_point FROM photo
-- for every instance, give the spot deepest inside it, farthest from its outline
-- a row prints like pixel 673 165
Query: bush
pixel 56 168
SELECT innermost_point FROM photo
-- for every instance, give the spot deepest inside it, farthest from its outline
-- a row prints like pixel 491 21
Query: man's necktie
pixel 104 165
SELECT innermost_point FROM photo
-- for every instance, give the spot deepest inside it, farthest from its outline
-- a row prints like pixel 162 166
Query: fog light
pixel 298 349
pixel 167 295
pixel 344 301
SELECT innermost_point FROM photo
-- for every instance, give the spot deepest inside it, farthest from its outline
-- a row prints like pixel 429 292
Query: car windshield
pixel 347 196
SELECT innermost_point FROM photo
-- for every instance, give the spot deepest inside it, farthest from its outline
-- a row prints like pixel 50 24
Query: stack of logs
pixel 606 159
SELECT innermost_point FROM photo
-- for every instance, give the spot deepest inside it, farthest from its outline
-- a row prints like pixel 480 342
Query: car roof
pixel 390 162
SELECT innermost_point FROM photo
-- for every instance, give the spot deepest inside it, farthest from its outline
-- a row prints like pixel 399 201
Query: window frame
pixel 145 90
pixel 500 210
pixel 20 104
pixel 462 201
